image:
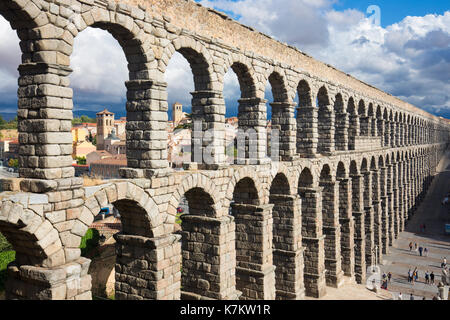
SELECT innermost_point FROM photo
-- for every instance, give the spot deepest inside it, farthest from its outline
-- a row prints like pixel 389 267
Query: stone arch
pixel 281 169
pixel 22 14
pixel 245 73
pixel 139 213
pixel 35 239
pixel 304 94
pixel 251 174
pixel 306 179
pixel 196 181
pixel 277 79
pixel 198 57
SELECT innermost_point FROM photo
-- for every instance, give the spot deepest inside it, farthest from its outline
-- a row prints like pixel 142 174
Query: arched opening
pixel 186 130
pixel 18 246
pixel 255 274
pixel 99 96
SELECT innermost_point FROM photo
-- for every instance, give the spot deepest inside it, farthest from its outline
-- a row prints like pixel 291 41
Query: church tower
pixel 177 113
pixel 105 124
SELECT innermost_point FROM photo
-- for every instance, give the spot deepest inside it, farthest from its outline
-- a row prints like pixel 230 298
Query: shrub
pixel 89 241
pixel 4 244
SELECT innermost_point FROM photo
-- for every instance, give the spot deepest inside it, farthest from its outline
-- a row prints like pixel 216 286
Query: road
pixel 435 216
pixel 4 174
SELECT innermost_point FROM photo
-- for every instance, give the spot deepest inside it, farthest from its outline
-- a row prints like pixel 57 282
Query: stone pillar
pixel 368 218
pixel 253 122
pixel 307 131
pixel 381 134
pixel 146 128
pixel 326 130
pixel 313 242
pixel 332 232
pixel 209 258
pixel 358 215
pixel 208 109
pixel 395 199
pixel 401 196
pixel 353 131
pixel 341 134
pixel 390 204
pixel 287 247
pixel 67 282
pixel 347 228
pixel 384 211
pixel 255 272
pixel 377 213
pixel 44 125
pixel 148 269
pixel 284 121
pixel 387 134
pixel 394 133
pixel 373 127
pixel 364 126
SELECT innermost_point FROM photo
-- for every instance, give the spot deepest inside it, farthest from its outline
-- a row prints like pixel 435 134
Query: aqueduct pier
pixel 354 163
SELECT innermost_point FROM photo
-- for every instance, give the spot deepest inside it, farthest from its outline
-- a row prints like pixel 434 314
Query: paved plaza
pixel 435 216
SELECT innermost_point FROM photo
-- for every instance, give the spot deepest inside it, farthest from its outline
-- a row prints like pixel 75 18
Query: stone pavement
pixel 435 216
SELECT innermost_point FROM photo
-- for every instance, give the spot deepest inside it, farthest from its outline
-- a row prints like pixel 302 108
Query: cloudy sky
pixel 402 47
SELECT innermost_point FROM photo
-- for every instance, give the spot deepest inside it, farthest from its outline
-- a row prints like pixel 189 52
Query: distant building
pixel 177 113
pixel 82 149
pixel 114 145
pixel 9 149
pixel 105 124
pixel 108 168
pixel 96 156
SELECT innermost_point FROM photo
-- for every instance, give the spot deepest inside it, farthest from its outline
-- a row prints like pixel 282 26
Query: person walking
pixel 410 246
pixel 444 263
pixel 420 250
pixel 412 297
pixel 400 296
pixel 432 277
pixel 425 252
pixel 389 277
pixel 409 276
pixel 427 277
pixel 415 246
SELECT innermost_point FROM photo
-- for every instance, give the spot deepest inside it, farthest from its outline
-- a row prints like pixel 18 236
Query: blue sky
pixel 393 11
pixel 406 56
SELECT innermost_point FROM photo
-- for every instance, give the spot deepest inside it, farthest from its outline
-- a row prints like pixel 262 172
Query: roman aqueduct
pixel 354 163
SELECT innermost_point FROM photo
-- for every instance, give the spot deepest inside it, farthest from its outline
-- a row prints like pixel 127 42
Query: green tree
pixel 13 163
